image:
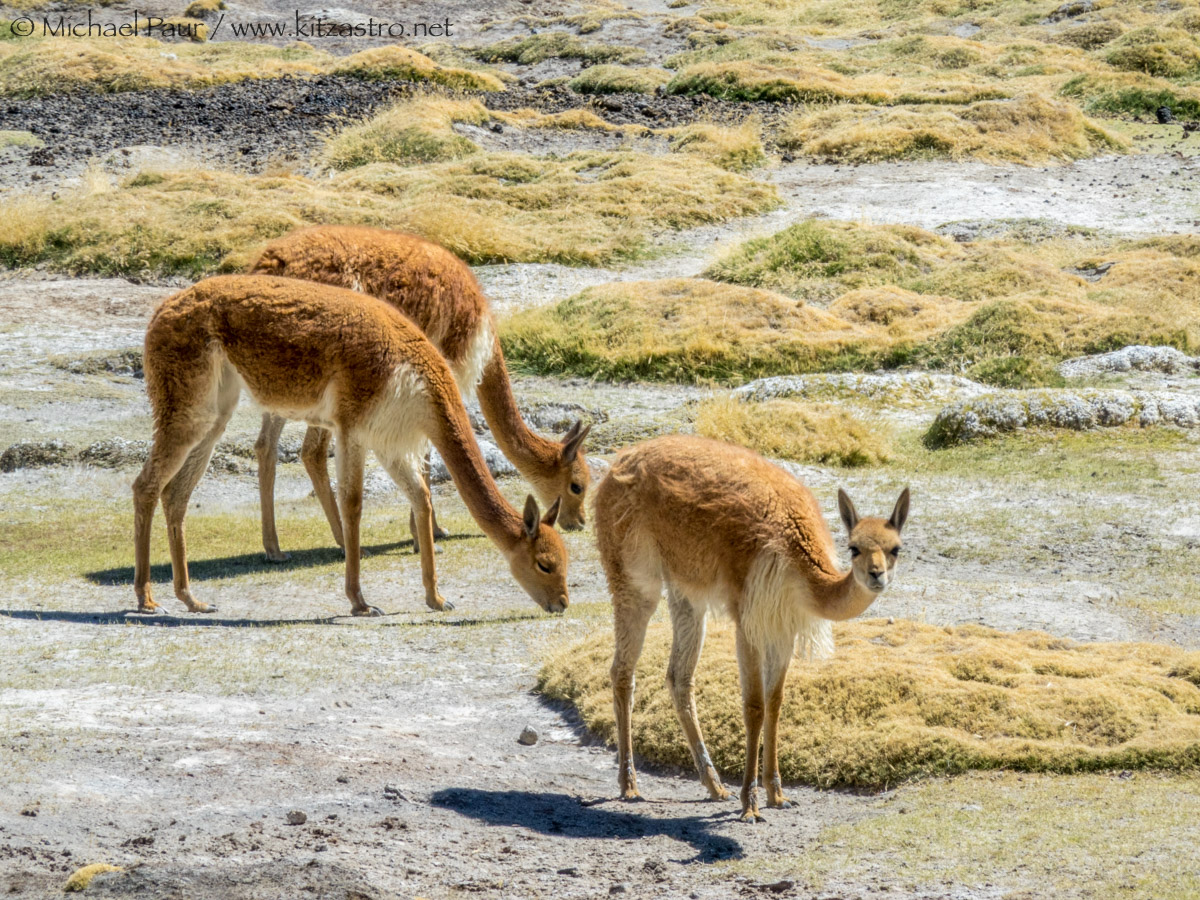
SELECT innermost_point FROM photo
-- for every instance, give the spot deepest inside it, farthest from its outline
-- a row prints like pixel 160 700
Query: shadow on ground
pixel 250 563
pixel 563 815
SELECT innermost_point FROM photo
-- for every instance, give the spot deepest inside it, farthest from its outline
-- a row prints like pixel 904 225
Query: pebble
pixel 529 736
pixel 296 817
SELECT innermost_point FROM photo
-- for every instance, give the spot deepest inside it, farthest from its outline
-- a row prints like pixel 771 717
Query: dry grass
pixel 556 45
pixel 396 63
pixel 39 66
pixel 893 295
pixel 676 329
pixel 615 79
pixel 412 131
pixel 906 701
pixel 1029 129
pixel 486 208
pixel 19 139
pixel 821 433
pixel 737 149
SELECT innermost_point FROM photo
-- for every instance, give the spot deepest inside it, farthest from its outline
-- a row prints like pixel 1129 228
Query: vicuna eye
pixel 544 569
pixel 576 487
pixel 895 551
pixel 854 551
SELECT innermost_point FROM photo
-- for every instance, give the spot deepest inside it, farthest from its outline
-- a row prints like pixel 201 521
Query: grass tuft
pixel 556 45
pixel 819 433
pixel 412 131
pixel 906 701
pixel 396 63
pixel 614 79
pixel 736 149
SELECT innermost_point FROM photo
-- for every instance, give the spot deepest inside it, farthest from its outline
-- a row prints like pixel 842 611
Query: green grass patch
pixel 905 701
pixel 556 45
pixel 19 139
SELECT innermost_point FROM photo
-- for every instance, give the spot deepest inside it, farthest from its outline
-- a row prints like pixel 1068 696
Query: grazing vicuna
pixel 438 291
pixel 340 360
pixel 724 528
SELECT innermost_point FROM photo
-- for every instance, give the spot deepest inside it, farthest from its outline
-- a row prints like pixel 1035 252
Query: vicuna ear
pixel 532 514
pixel 900 513
pixel 846 508
pixel 551 515
pixel 573 441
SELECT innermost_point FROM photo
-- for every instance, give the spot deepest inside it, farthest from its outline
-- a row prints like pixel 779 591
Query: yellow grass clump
pixel 486 208
pixel 820 433
pixel 400 63
pixel 411 131
pixel 676 329
pixel 737 149
pixel 1029 129
pixel 904 701
pixel 615 79
pixel 38 66
pixel 199 9
pixel 81 878
pixel 892 296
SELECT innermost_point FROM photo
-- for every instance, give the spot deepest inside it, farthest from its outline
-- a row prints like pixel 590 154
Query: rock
pixel 619 888
pixel 496 127
pixel 35 455
pixel 1069 10
pixel 529 736
pixel 1135 358
pixel 113 453
pixel 497 463
pixel 1164 115
pixel 41 157
pixel 893 388
pixel 1007 411
pixel 296 817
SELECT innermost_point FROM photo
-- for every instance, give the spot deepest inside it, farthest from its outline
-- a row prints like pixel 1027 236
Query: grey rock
pixel 296 817
pixel 529 736
pixel 1076 410
pixel 1136 358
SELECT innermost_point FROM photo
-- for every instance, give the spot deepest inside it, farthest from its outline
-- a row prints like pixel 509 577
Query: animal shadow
pixel 562 815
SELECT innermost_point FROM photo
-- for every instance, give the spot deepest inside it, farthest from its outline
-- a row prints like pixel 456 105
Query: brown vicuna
pixel 438 291
pixel 723 528
pixel 340 360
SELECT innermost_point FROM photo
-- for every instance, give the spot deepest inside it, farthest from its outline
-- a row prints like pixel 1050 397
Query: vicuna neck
pixel 531 453
pixel 839 598
pixel 451 434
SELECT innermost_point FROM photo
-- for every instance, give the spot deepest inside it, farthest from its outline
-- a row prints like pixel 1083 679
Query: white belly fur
pixel 396 425
pixel 468 371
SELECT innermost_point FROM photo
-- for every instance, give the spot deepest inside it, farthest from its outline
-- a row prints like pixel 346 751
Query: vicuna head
pixel 874 543
pixel 539 560
pixel 570 480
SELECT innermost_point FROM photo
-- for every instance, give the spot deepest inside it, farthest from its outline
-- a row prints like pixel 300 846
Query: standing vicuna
pixel 723 528
pixel 438 291
pixel 340 360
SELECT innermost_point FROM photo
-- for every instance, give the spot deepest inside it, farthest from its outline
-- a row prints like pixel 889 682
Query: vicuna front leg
pixel 687 625
pixel 774 673
pixel 750 673
pixel 632 610
pixel 351 456
pixel 266 449
pixel 407 475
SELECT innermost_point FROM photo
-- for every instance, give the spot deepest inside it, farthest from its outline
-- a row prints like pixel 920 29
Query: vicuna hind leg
pixel 687 624
pixel 178 490
pixel 438 531
pixel 314 453
pixel 351 456
pixel 406 474
pixel 774 672
pixel 750 674
pixel 266 449
pixel 633 605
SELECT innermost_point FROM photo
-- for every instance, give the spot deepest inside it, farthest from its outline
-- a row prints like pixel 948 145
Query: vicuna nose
pixel 875 571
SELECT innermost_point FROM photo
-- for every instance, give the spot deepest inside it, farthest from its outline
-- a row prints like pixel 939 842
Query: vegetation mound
pixel 819 433
pixel 904 701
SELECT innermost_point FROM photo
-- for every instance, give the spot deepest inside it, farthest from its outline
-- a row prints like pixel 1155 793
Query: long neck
pixel 451 434
pixel 531 453
pixel 840 597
